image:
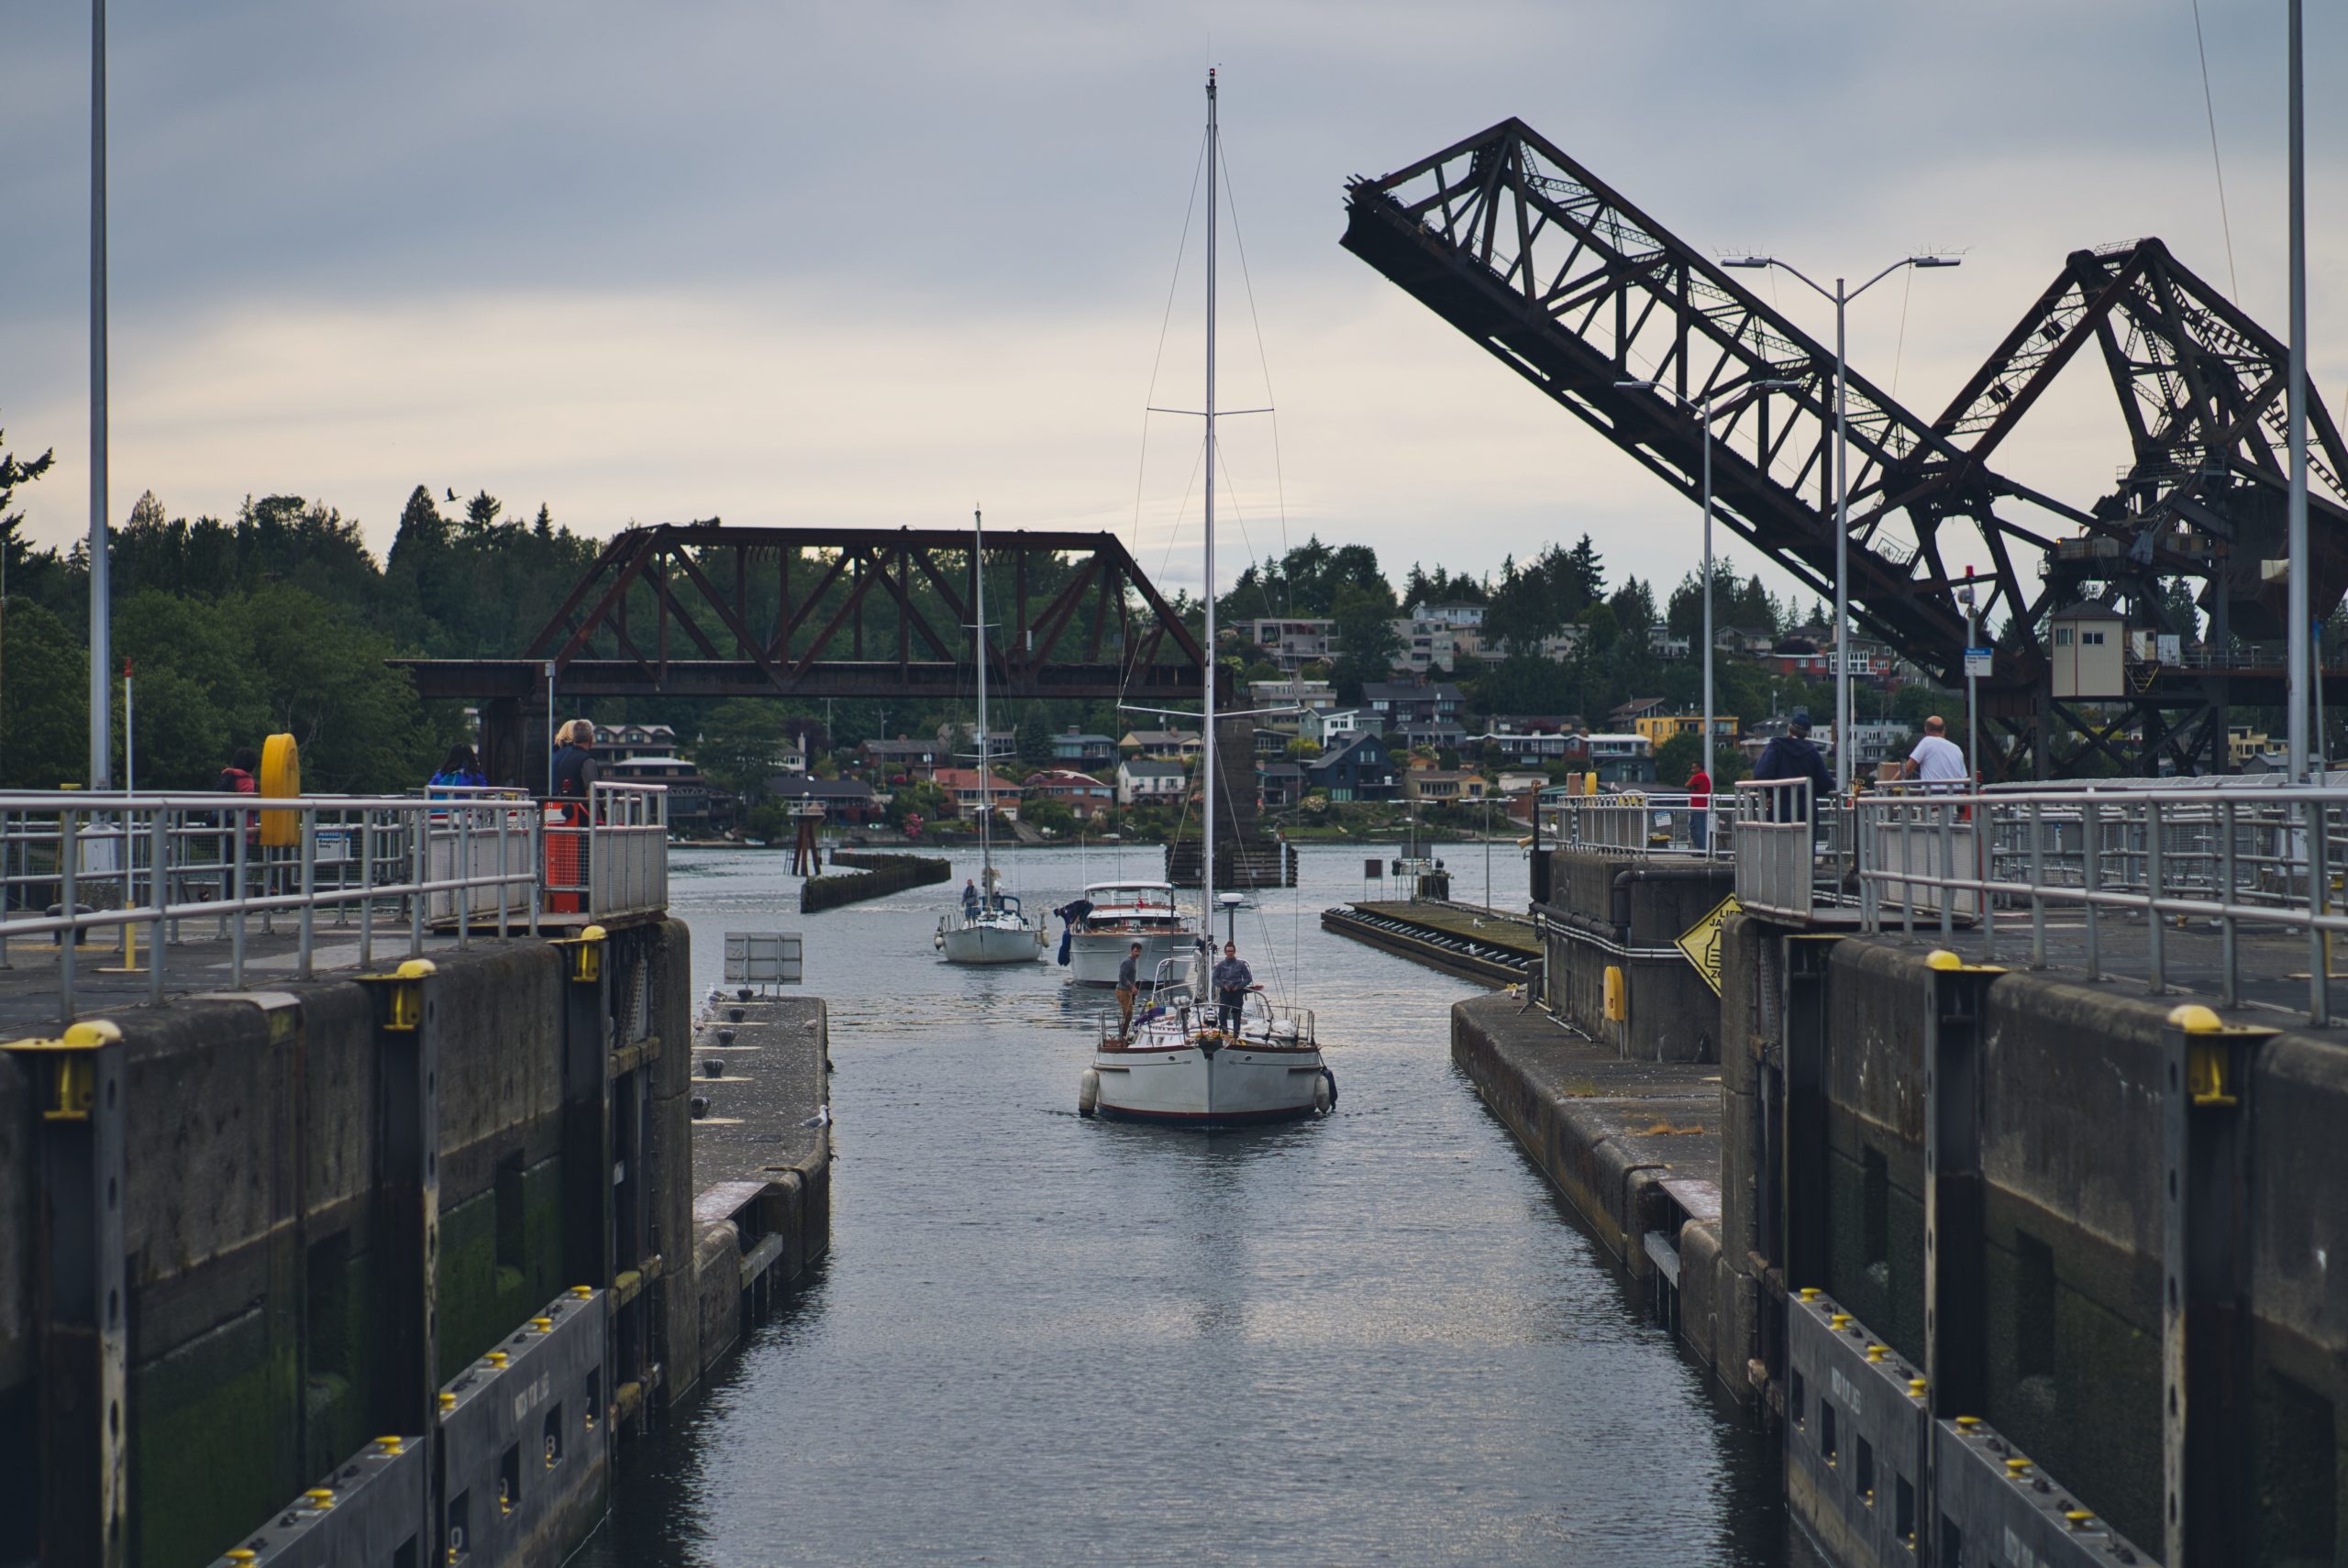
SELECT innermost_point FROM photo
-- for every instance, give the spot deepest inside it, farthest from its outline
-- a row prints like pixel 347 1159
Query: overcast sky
pixel 876 263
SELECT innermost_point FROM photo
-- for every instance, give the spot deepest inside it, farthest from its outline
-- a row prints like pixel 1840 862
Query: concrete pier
pixel 386 1262
pixel 762 1156
pixel 2017 1260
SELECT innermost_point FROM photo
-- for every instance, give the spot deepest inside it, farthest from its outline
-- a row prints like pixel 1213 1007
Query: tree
pixel 1365 627
pixel 1302 748
pixel 739 747
pixel 327 684
pixel 45 705
pixel 921 799
pixel 1047 815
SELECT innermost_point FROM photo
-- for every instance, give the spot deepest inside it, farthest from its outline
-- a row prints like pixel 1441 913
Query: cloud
pixel 875 264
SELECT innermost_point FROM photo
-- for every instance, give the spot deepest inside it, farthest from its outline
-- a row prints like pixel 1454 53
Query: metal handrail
pixel 142 865
pixel 2227 857
pixel 1645 822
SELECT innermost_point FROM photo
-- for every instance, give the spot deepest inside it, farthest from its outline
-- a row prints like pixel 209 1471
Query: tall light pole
pixel 1841 298
pixel 101 588
pixel 2298 646
pixel 1702 408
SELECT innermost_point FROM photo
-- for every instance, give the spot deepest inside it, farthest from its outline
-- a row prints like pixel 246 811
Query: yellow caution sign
pixel 1701 942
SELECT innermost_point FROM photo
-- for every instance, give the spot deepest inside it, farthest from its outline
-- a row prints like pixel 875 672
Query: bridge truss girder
pixel 708 610
pixel 1557 276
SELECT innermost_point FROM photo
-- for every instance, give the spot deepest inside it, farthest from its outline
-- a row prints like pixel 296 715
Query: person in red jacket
pixel 241 776
pixel 1699 806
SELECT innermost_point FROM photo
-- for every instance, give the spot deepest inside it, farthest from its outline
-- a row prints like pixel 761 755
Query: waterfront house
pixel 1395 703
pixel 1357 768
pixel 846 802
pixel 1279 785
pixel 1621 758
pixel 1443 786
pixel 691 803
pixel 1085 796
pixel 1161 746
pixel 1083 750
pixel 902 758
pixel 1290 642
pixel 1143 780
pixel 1333 726
pixel 964 787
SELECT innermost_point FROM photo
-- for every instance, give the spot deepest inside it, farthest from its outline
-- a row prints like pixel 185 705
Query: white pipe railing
pixel 1644 822
pixel 141 869
pixel 2161 860
pixel 1776 847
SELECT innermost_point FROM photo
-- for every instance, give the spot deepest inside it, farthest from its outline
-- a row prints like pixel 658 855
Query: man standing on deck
pixel 1791 756
pixel 1128 984
pixel 1699 806
pixel 1233 981
pixel 1936 759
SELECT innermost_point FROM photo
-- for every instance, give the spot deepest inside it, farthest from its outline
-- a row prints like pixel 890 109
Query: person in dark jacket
pixel 1792 756
pixel 574 772
pixel 575 760
pixel 1232 980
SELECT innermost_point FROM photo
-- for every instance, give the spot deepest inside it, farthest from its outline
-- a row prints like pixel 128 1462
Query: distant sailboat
pixel 990 927
pixel 1186 1059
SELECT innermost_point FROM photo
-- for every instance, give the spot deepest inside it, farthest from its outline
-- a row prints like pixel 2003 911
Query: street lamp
pixel 1842 297
pixel 1702 408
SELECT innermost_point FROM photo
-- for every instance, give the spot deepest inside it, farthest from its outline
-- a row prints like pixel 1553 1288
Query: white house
pixel 1143 781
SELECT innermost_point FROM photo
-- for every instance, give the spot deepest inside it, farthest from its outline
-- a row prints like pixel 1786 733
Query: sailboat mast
pixel 1206 759
pixel 979 651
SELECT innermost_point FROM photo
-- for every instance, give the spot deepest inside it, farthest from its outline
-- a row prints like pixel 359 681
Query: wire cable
pixel 2209 108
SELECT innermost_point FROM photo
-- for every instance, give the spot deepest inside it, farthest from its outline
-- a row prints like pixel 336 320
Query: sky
pixel 877 264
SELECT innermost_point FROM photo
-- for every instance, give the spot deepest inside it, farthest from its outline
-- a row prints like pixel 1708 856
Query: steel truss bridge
pixel 701 609
pixel 1558 277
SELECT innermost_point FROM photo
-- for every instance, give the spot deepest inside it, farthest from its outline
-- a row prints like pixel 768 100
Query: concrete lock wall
pixel 1613 911
pixel 259 1281
pixel 19 1428
pixel 2072 1155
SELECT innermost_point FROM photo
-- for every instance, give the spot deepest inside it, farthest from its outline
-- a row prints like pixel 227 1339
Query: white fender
pixel 1088 1093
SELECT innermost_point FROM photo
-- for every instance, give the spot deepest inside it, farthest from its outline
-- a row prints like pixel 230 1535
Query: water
pixel 1042 1339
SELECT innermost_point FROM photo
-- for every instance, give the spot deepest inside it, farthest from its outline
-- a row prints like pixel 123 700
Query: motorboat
pixel 990 927
pixel 1123 914
pixel 1189 1058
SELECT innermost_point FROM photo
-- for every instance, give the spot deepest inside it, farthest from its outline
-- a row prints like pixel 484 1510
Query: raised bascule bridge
pixel 1561 279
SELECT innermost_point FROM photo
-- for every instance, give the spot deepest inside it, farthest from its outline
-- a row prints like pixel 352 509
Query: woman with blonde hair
pixel 574 772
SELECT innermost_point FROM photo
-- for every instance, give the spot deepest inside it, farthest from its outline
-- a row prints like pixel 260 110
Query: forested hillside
pixel 281 619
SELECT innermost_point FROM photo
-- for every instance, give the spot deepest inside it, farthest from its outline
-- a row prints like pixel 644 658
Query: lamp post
pixel 1841 298
pixel 1702 407
pixel 101 588
pixel 2300 645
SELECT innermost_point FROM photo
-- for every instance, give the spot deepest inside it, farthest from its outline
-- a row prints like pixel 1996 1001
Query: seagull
pixel 822 1118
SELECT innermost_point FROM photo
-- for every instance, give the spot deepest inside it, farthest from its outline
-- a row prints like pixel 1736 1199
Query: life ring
pixel 280 778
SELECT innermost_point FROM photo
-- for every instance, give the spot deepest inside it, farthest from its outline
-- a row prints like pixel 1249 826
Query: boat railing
pixel 1272 1025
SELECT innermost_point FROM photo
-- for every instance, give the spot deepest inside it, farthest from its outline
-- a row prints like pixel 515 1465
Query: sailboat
pixel 1189 1058
pixel 991 928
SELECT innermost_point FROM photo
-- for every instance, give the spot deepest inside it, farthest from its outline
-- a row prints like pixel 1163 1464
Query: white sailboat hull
pixel 1093 956
pixel 1231 1087
pixel 990 943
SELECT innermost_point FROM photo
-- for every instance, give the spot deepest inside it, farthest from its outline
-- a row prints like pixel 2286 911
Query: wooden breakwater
pixel 876 876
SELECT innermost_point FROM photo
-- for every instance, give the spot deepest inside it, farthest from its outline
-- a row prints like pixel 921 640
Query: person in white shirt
pixel 1936 759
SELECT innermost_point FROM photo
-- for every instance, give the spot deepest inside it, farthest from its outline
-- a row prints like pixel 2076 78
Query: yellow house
pixel 1660 727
